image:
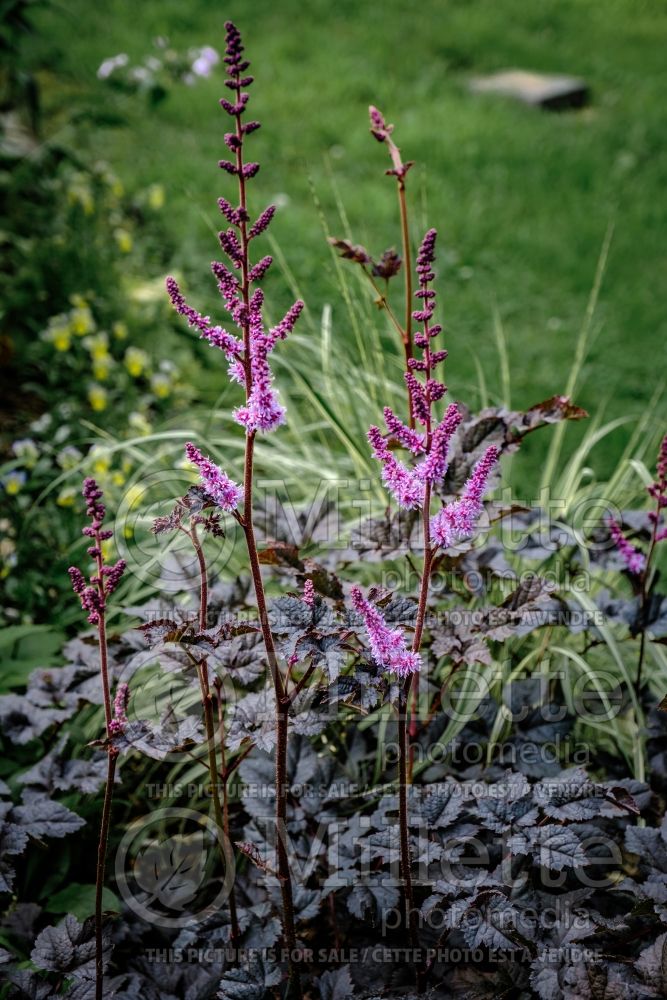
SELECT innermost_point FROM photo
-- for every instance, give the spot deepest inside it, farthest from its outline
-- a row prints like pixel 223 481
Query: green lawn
pixel 522 198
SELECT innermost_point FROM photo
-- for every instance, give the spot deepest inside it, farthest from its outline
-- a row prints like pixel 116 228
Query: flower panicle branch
pixel 248 353
pixel 637 563
pixel 457 521
pixel 387 644
pixel 121 701
pixel 633 558
pixel 222 490
pixel 105 579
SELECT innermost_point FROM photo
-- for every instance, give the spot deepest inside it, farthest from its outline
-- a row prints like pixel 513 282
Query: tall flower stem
pixel 249 366
pixel 643 601
pixel 281 699
pixel 382 132
pixel 221 815
pixel 93 596
pixel 112 755
pixel 224 777
pixel 414 488
pixel 407 268
pixel 281 721
pixel 100 872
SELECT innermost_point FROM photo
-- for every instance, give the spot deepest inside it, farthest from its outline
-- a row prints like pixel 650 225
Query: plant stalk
pixel 221 815
pixel 112 754
pixel 282 703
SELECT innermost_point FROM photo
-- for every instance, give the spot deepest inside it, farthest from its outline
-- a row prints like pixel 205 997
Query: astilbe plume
pixel 387 644
pixel 308 593
pixel 658 490
pixel 249 354
pixel 457 520
pixel 120 720
pixel 105 579
pixel 634 559
pixel 401 481
pixel 217 483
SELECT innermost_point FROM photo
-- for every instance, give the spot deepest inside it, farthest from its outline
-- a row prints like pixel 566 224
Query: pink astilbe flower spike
pixel 308 593
pixel 120 720
pixel 262 411
pixel 457 520
pixel 405 485
pixel 410 439
pixel 388 646
pixel 226 493
pixel 434 466
pixel 658 490
pixel 632 557
pixel 215 335
pixel 101 584
pixel 287 323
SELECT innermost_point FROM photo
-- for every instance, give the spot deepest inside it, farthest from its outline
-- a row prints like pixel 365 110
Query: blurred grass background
pixel 522 197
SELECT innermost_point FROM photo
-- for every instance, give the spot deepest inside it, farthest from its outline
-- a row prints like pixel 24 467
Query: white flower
pixel 109 65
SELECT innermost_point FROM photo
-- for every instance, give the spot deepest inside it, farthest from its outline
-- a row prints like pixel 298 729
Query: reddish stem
pixel 282 703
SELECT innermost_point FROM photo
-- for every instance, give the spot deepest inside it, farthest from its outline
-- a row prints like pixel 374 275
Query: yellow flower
pixel 161 385
pixel 118 479
pixel 98 345
pixel 81 320
pixel 119 330
pixel 13 482
pixel 69 457
pixel 139 423
pixel 156 196
pixel 26 451
pixel 62 340
pixel 78 300
pixel 107 549
pixel 82 195
pixel 136 361
pixel 97 397
pixel 101 459
pixel 102 366
pixel 58 333
pixel 134 496
pixel 67 497
pixel 123 239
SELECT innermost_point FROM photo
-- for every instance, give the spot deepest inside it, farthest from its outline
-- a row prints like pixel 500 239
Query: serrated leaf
pixel 171 870
pixel 40 816
pixel 69 948
pixel 251 981
pixel 336 984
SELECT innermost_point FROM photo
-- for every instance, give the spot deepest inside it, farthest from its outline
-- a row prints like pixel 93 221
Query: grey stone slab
pixel 538 89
